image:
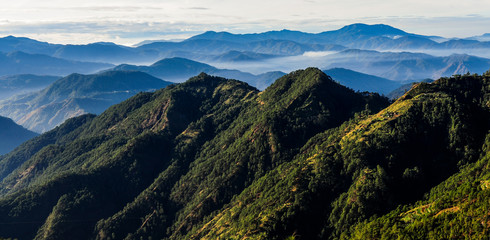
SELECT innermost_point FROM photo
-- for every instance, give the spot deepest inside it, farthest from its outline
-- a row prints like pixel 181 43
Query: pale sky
pixel 131 21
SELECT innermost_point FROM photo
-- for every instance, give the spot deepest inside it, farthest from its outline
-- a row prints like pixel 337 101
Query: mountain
pixel 75 95
pixel 362 82
pixel 483 38
pixel 343 178
pixel 403 66
pixel 463 44
pixel 400 91
pixel 457 208
pixel 342 36
pixel 27 45
pixel 362 36
pixel 93 52
pixel 179 69
pixel 12 135
pixel 288 35
pixel 306 158
pixel 167 159
pixel 218 47
pixel 358 36
pixel 264 80
pixel 25 63
pixel 237 56
pixel 369 30
pixel 105 52
pixel 255 45
pixel 24 83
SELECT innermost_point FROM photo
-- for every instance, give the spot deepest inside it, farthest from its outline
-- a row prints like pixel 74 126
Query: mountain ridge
pixel 179 69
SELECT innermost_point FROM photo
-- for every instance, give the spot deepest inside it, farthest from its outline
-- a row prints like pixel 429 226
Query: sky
pixel 128 22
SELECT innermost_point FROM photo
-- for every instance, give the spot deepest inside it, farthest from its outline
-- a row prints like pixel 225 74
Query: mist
pixel 477 52
pixel 283 64
pixel 397 66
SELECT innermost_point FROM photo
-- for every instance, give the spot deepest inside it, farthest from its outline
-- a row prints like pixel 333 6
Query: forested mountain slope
pixel 213 158
pixel 159 163
pixel 371 165
pixel 456 209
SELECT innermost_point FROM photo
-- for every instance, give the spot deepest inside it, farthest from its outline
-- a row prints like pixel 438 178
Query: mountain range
pixel 12 135
pixel 358 36
pixel 180 69
pixel 362 82
pixel 19 84
pixel 26 63
pixel 213 158
pixel 403 66
pixel 284 42
pixel 75 95
pixel 376 50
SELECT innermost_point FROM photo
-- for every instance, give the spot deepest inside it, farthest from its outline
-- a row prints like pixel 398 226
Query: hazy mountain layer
pixel 26 63
pixel 362 82
pixel 24 83
pixel 12 135
pixel 407 66
pixel 75 95
pixel 224 46
pixel 180 69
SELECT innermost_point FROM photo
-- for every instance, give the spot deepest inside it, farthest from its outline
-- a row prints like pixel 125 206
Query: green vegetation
pixel 363 168
pixel 305 159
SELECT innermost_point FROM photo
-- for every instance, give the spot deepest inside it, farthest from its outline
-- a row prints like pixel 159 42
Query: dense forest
pixel 214 158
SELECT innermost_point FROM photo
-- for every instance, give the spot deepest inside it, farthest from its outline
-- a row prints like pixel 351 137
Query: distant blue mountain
pixel 23 83
pixel 180 69
pixel 463 44
pixel 483 38
pixel 218 46
pixel 105 52
pixel 354 35
pixel 12 44
pixel 359 30
pixel 237 56
pixel 403 66
pixel 25 63
pixel 398 92
pixel 94 52
pixel 12 135
pixel 295 36
pixel 362 82
pixel 361 36
pixel 282 43
pixel 368 30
